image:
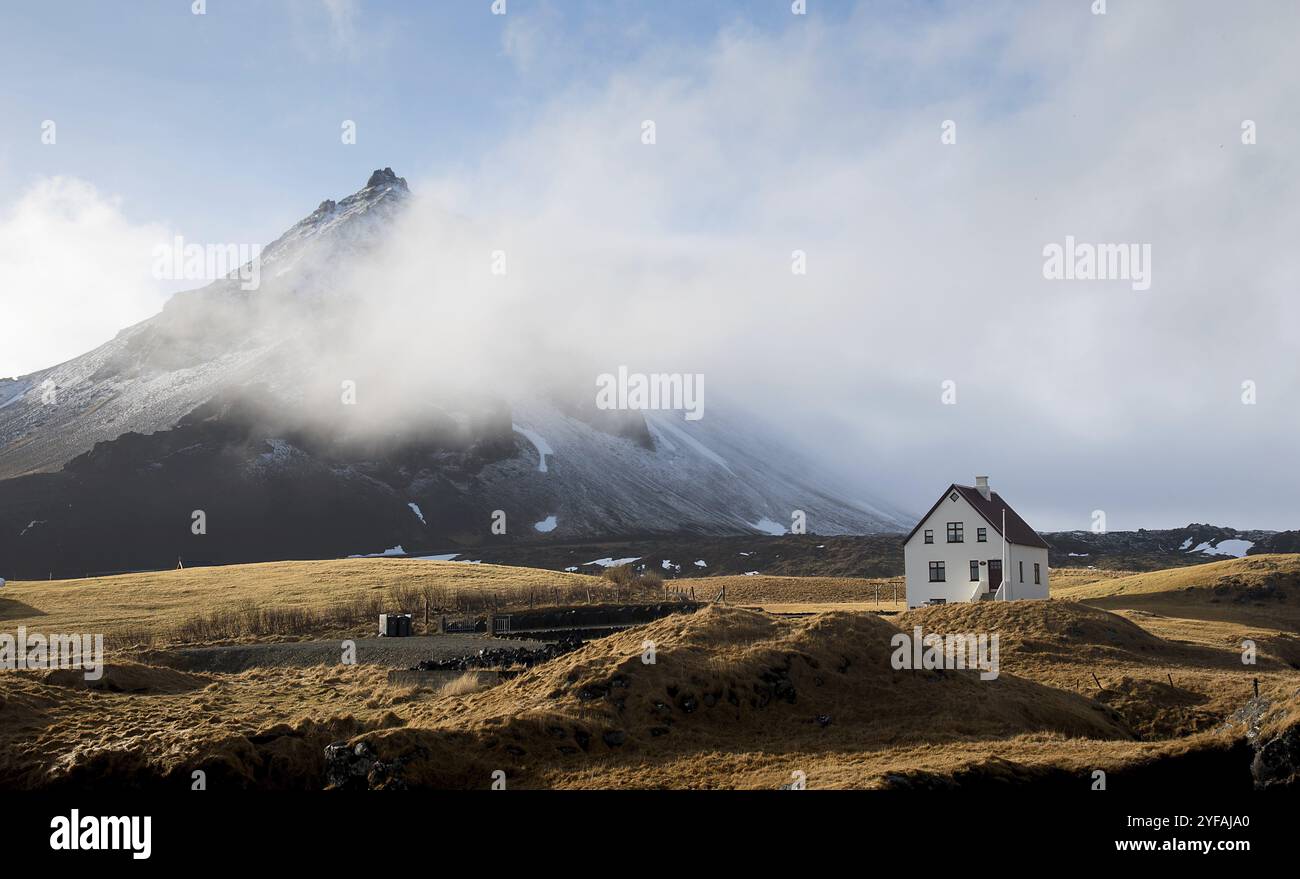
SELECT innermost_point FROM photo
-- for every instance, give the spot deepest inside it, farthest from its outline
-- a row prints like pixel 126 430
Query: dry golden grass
pixel 205 604
pixel 810 607
pixel 1161 687
pixel 1262 590
pixel 469 682
pixel 1064 580
pixel 761 589
pixel 709 713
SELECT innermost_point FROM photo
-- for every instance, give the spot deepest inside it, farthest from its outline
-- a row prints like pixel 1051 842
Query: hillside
pixel 735 698
pixel 1262 589
pixel 276 412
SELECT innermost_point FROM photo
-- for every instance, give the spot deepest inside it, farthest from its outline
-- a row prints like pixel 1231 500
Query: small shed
pixel 394 625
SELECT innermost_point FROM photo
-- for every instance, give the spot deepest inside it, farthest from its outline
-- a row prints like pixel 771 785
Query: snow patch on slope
pixel 539 443
pixel 1234 548
pixel 767 526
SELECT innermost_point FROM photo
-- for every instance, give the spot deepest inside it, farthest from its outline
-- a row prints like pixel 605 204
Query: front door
pixel 995 574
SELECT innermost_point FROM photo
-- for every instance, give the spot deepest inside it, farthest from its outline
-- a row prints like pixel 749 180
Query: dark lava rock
pixel 614 738
pixel 503 657
pixel 1277 761
pixel 359 768
pixel 592 691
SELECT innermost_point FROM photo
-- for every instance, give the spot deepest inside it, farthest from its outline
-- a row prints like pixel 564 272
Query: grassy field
pixel 281 597
pixel 1117 672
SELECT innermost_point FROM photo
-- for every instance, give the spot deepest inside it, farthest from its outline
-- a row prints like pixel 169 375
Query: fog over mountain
pixel 357 400
pixel 924 259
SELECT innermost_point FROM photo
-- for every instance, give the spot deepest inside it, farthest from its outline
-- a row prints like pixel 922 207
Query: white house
pixel 963 547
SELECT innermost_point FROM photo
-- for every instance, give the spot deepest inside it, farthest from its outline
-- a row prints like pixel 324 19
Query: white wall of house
pixel 1023 559
pixel 958 585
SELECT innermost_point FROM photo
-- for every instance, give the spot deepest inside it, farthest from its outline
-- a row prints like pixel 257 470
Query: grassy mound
pixel 1062 628
pixel 724 679
pixel 1259 589
pixel 129 677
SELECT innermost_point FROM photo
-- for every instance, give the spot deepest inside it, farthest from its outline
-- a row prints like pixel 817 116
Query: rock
pixel 1277 761
pixel 386 176
pixel 614 738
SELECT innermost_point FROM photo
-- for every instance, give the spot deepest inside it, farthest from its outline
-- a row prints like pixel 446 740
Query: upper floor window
pixel 929 535
pixel 955 532
pixel 937 573
pixel 982 535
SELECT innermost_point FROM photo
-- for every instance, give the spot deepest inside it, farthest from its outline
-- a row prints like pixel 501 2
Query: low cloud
pixel 75 271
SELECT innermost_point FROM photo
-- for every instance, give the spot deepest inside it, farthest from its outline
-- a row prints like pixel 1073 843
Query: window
pixel 954 532
pixel 929 535
pixel 937 574
pixel 982 535
pixel 974 570
pixel 1022 572
pixel 1037 577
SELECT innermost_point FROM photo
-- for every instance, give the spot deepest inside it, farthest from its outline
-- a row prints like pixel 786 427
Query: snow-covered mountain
pixel 209 406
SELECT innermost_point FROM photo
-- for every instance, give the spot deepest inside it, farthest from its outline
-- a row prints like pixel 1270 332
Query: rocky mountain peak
pixel 386 177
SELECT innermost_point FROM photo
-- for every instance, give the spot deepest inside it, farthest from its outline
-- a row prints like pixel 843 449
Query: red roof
pixel 991 508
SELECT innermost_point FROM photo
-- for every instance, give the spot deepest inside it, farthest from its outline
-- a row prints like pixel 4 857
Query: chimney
pixel 982 484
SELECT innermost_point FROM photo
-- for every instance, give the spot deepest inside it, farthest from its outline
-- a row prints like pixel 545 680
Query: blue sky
pixel 227 125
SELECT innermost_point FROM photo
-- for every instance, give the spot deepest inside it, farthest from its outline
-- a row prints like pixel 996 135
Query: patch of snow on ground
pixel 547 524
pixel 699 563
pixel 445 557
pixel 1079 555
pixel 396 550
pixel 767 526
pixel 1234 548
pixel 751 573
pixel 415 508
pixel 612 563
pixel 539 443
pixel 30 526
pixel 571 569
pixel 1187 544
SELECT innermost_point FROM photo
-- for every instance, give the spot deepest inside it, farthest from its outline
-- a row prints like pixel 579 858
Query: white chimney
pixel 982 484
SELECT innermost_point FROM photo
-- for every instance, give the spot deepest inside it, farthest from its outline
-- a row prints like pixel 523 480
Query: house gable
pixel 1018 530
